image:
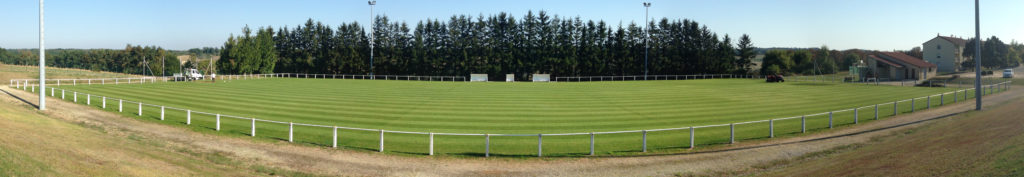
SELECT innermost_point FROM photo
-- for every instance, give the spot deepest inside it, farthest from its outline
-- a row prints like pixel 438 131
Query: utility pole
pixel 42 61
pixel 372 24
pixel 647 7
pixel 977 58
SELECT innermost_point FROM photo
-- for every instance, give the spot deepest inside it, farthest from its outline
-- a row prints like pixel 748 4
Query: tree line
pixel 994 54
pixel 143 60
pixel 809 61
pixel 496 44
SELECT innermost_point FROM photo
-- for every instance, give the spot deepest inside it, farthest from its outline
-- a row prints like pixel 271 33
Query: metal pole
pixel 487 145
pixel 691 138
pixel 42 61
pixel 381 147
pixel 732 133
pixel 591 143
pixel 855 115
pixel 540 144
pixel 803 124
pixel 334 142
pixel 291 130
pixel 830 119
pixel 644 149
pixel 431 143
pixel 977 56
pixel 253 132
pixel 372 19
pixel 647 6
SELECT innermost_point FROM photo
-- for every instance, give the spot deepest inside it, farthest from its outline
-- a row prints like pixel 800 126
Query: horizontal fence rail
pixel 373 77
pixel 771 123
pixel 654 77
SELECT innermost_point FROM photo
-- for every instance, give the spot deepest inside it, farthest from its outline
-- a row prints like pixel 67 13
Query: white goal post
pixel 478 77
pixel 510 78
pixel 541 77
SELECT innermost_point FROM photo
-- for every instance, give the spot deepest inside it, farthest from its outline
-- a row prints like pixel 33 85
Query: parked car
pixel 774 78
pixel 1008 73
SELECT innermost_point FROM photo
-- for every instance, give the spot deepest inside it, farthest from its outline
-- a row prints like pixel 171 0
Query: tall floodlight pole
pixel 372 20
pixel 977 58
pixel 42 62
pixel 647 7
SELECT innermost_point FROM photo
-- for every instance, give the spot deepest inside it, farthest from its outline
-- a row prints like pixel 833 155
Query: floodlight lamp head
pixel 372 2
pixel 647 4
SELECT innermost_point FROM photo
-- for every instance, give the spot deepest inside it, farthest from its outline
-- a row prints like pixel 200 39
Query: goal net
pixel 478 77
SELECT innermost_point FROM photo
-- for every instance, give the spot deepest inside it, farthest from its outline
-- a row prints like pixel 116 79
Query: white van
pixel 1008 73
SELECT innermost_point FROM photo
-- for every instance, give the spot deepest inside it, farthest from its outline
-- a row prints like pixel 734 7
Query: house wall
pixel 943 53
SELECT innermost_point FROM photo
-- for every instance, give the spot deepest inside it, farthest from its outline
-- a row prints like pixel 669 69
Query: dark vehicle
pixel 775 78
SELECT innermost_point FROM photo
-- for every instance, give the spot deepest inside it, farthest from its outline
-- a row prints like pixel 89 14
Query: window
pixel 938 47
pixel 939 57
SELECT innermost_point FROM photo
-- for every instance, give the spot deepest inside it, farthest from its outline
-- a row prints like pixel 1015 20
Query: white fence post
pixel 140 108
pixel 830 119
pixel 895 109
pixel 856 116
pixel 88 99
pixel 431 140
pixel 691 138
pixel 334 141
pixel 188 117
pixel 161 112
pixel 120 105
pixel 591 143
pixel 540 144
pixel 218 122
pixel 644 146
pixel 955 96
pixel 487 145
pixel 253 132
pixel 876 111
pixel 732 133
pixel 104 102
pixel 62 94
pixel 75 96
pixel 803 124
pixel 291 128
pixel 51 91
pixel 381 147
pixel 771 128
pixel 942 99
pixel 929 102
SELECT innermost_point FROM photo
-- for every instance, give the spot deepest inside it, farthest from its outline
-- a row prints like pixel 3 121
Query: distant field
pixel 8 72
pixel 508 108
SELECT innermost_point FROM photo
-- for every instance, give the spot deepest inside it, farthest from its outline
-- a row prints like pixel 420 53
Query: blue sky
pixel 183 24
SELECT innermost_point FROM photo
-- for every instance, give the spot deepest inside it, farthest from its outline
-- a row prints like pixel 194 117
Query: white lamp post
pixel 647 7
pixel 372 20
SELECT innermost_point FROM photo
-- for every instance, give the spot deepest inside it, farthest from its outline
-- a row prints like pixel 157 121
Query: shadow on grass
pixel 19 98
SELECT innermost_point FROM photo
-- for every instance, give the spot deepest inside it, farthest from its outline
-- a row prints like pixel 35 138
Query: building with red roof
pixel 895 66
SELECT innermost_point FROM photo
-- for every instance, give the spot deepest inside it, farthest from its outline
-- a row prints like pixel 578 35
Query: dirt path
pixel 987 143
pixel 731 159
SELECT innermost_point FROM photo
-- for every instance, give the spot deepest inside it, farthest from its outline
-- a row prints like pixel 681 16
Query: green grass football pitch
pixel 508 108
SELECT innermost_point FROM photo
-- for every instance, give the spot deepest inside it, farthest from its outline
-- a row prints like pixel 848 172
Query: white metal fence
pixel 653 77
pixel 956 96
pixel 373 77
